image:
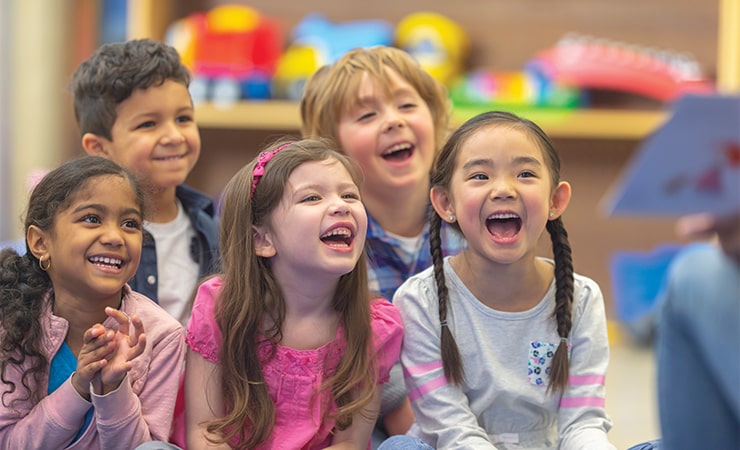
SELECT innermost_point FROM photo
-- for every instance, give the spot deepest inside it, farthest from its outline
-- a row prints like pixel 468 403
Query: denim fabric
pixel 157 445
pixel 650 445
pixel 204 248
pixel 402 442
pixel 699 352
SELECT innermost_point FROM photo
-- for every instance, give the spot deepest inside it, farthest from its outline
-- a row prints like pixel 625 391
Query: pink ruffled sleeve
pixel 203 334
pixel 387 335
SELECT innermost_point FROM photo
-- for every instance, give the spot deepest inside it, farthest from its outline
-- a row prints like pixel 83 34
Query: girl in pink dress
pixel 287 349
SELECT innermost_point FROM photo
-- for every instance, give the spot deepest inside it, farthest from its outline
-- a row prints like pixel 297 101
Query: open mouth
pixel 106 262
pixel 338 237
pixel 504 225
pixel 168 158
pixel 399 152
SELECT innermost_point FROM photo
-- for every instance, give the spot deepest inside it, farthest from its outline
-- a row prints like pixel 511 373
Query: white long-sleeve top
pixel 503 403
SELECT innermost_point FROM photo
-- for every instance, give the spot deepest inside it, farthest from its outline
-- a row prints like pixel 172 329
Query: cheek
pixel 356 142
pixel 194 139
pixel 134 243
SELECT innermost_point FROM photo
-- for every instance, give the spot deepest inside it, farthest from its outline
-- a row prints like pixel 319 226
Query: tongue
pixel 503 228
pixel 398 156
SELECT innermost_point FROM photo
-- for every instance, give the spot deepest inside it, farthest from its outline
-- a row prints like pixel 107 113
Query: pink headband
pixel 262 159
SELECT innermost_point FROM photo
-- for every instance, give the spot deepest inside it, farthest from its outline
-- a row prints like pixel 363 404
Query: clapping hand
pixel 129 341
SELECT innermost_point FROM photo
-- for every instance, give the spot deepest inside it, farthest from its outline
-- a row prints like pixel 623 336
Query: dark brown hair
pixel 23 284
pixel 442 172
pixel 113 72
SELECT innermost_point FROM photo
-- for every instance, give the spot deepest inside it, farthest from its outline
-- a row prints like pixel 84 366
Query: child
pixel 287 349
pixel 384 111
pixel 132 105
pixel 529 372
pixel 77 369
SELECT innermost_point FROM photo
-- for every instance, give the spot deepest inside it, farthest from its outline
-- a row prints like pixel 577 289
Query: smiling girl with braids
pixel 502 348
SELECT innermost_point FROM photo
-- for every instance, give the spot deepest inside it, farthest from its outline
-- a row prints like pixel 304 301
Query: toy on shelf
pixel 231 50
pixel 315 42
pixel 590 63
pixel 439 44
pixel 512 90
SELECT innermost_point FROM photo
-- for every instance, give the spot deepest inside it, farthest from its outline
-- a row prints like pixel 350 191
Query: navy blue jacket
pixel 203 248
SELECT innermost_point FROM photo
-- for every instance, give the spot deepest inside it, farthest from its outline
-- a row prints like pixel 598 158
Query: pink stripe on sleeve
pixel 421 369
pixel 580 380
pixel 428 387
pixel 580 402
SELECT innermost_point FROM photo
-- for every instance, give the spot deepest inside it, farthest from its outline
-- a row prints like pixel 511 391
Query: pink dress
pixel 294 376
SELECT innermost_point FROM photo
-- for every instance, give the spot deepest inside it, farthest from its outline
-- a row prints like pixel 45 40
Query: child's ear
pixel 263 245
pixel 94 145
pixel 560 199
pixel 36 239
pixel 442 203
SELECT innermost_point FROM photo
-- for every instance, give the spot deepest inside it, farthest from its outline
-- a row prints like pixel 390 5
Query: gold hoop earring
pixel 41 264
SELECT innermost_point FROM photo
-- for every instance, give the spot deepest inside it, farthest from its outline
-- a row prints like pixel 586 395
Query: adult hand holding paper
pixel 690 165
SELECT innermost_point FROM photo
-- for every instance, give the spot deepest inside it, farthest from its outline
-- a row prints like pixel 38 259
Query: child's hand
pixel 127 345
pixel 97 344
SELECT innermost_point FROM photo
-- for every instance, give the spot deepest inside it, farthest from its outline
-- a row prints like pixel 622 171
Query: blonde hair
pixel 251 300
pixel 334 89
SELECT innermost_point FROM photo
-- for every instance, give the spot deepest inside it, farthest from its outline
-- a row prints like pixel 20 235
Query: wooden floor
pixel 631 395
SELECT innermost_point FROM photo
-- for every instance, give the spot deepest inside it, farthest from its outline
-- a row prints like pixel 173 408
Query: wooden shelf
pixel 249 115
pixel 575 123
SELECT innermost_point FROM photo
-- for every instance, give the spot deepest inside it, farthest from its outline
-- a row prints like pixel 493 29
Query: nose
pixel 112 235
pixel 393 120
pixel 503 189
pixel 340 208
pixel 173 135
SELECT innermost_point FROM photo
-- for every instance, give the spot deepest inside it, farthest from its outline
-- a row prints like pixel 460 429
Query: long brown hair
pixel 251 298
pixel 442 172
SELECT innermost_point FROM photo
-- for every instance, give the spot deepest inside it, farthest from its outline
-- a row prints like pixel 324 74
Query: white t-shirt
pixel 177 271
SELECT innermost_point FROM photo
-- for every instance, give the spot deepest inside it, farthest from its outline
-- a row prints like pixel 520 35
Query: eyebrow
pixel 320 187
pixel 393 93
pixel 487 162
pixel 103 208
pixel 156 114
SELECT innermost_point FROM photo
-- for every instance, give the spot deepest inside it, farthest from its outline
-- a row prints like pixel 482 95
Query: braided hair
pixel 441 176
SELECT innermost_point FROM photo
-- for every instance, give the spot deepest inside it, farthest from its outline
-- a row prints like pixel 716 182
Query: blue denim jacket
pixel 203 249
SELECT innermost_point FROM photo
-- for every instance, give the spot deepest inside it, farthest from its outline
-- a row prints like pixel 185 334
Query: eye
pixel 527 174
pixel 90 218
pixel 351 196
pixel 408 106
pixel 131 223
pixel 184 118
pixel 366 116
pixel 311 198
pixel 478 176
pixel 147 124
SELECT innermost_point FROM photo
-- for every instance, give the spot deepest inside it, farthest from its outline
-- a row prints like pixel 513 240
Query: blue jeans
pixel 402 442
pixel 698 352
pixel 157 445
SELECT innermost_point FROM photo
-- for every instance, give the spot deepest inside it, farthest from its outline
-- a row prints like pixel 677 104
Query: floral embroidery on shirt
pixel 538 363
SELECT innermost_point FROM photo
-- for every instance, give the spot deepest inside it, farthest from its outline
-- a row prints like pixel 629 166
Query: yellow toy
pixel 439 44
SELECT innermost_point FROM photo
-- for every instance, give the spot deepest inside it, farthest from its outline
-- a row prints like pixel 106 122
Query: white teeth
pixel 106 260
pixel 503 216
pixel 337 232
pixel 397 147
